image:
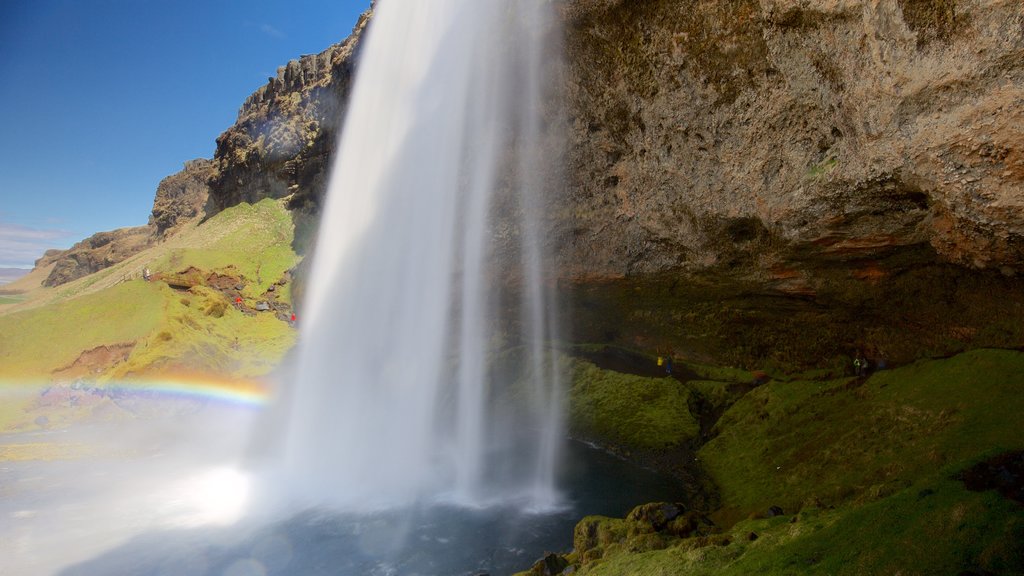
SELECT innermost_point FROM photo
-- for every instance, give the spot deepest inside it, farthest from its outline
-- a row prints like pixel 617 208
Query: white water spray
pixel 410 384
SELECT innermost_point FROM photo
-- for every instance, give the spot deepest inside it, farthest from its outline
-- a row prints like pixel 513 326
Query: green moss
pixel 941 529
pixel 822 168
pixel 788 443
pixel 629 411
pixel 717 394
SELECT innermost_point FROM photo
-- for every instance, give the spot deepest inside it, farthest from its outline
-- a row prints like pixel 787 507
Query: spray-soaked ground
pixel 168 495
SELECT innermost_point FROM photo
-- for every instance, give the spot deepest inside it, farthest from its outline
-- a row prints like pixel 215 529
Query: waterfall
pixel 423 362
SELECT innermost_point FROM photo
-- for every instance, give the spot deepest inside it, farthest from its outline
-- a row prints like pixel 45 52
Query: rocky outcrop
pixel 282 141
pixel 181 198
pixel 97 252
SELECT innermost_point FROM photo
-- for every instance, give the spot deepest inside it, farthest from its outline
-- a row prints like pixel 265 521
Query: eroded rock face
pixel 182 197
pixel 285 133
pixel 772 133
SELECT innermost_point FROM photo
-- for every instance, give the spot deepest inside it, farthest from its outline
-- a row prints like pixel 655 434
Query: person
pixel 668 365
pixel 857 365
pixel 145 274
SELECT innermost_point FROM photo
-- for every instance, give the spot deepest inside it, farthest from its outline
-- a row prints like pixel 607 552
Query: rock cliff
pixel 281 143
pixel 775 131
pixel 182 198
pixel 745 180
pixel 854 164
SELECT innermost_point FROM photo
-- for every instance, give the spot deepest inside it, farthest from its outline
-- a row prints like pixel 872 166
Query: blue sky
pixel 101 99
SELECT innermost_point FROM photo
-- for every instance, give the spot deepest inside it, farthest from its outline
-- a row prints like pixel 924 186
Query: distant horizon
pixel 126 96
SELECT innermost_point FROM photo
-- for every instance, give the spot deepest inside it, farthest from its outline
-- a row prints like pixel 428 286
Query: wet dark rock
pixel 774 511
pixel 752 536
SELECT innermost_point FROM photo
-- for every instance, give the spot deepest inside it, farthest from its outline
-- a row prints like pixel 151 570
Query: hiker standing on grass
pixel 145 274
pixel 668 365
pixel 857 365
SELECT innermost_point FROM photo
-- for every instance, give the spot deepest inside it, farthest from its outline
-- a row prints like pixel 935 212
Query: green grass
pixel 628 411
pixel 10 300
pixel 197 330
pixel 792 442
pixel 248 241
pixel 201 331
pixel 37 341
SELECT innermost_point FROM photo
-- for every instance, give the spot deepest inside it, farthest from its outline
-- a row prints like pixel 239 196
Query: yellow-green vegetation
pixel 35 342
pixel 195 328
pixel 628 412
pixel 200 331
pixel 251 241
pixel 9 300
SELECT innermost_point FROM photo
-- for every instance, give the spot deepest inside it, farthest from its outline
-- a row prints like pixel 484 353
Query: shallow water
pixel 426 540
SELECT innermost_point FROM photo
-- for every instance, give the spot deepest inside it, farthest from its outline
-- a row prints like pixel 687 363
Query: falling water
pixel 415 381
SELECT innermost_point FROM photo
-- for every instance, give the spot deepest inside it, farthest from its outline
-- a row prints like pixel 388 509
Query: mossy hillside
pixel 936 529
pixel 789 443
pixel 865 472
pixel 629 412
pixel 37 341
pixel 200 331
pixel 249 241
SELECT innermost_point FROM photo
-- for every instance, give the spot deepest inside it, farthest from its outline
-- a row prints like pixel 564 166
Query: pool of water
pixel 427 540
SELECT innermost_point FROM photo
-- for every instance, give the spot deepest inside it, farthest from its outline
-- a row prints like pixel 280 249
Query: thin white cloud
pixel 272 32
pixel 21 246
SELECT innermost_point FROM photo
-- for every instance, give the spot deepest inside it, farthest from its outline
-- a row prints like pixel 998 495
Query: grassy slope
pixel 626 411
pixel 37 341
pixel 863 471
pixel 175 330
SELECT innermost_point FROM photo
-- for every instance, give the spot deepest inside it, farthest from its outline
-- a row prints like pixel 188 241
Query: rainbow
pixel 195 386
pixel 239 392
